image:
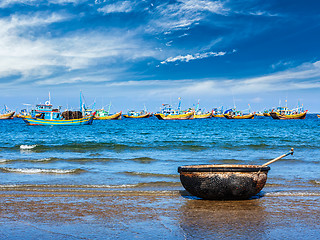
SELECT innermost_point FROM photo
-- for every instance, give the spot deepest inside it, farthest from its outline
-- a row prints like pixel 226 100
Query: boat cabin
pixel 46 111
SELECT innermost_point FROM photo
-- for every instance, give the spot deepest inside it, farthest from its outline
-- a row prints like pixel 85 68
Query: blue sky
pixel 151 52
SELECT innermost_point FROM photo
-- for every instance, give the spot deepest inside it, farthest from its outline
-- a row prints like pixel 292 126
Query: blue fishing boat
pixel 45 114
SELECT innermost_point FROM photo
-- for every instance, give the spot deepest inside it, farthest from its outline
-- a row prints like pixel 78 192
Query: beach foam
pixel 284 194
pixel 40 171
pixel 27 147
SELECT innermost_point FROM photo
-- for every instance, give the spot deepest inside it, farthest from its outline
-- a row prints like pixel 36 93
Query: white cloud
pixel 306 76
pixel 190 57
pixel 216 7
pixel 32 56
pixel 119 7
pixel 183 14
pixel 8 3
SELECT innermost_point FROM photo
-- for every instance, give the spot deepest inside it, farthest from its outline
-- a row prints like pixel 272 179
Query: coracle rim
pixel 223 168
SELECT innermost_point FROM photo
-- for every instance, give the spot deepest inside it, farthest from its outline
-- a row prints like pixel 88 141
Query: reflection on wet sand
pixel 275 217
pixel 214 219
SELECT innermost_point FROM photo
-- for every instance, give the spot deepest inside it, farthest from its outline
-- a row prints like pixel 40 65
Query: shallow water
pixel 147 152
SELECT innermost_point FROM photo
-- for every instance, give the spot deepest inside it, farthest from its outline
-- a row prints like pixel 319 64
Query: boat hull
pixel 278 116
pixel 116 116
pixel 147 115
pixel 248 116
pixel 73 122
pixel 185 116
pixel 203 116
pixel 22 116
pixel 218 115
pixel 7 115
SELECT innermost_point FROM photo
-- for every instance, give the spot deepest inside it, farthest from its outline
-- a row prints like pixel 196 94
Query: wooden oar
pixel 276 159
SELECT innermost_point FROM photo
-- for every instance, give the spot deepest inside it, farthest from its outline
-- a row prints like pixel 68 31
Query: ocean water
pixel 144 154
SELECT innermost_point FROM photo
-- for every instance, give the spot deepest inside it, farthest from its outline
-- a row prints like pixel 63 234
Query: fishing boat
pixel 234 114
pixel 6 114
pixel 135 114
pixel 102 114
pixel 217 112
pixel 45 114
pixel 283 113
pixel 318 115
pixel 202 115
pixel 168 113
pixel 259 114
pixel 199 113
pixel 266 113
pixel 23 113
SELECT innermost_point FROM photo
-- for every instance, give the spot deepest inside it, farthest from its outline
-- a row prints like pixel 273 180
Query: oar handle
pixel 276 159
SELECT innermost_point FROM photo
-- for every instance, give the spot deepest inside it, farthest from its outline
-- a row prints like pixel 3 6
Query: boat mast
pixel 109 107
pixel 179 106
pixel 81 105
pixel 197 108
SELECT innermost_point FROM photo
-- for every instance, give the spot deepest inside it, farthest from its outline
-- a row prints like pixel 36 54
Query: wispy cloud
pixel 190 57
pixel 8 3
pixel 182 14
pixel 30 55
pixel 119 7
pixel 305 76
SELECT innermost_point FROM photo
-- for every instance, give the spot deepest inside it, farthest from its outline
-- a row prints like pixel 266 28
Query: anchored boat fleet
pixel 46 114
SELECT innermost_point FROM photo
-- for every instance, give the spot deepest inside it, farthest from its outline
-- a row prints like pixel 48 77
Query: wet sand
pixel 63 214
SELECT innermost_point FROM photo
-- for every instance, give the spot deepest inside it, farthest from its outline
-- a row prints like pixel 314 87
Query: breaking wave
pixel 27 147
pixel 41 171
pixel 90 186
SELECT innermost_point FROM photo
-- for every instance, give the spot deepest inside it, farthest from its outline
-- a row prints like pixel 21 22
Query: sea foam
pixel 41 171
pixel 27 147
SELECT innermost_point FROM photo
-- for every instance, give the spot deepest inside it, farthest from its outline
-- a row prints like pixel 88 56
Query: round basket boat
pixel 223 182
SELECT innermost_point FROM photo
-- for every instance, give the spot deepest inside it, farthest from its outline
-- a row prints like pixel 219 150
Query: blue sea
pixel 144 154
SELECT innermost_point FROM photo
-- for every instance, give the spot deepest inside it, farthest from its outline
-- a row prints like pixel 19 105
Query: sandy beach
pixel 66 214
